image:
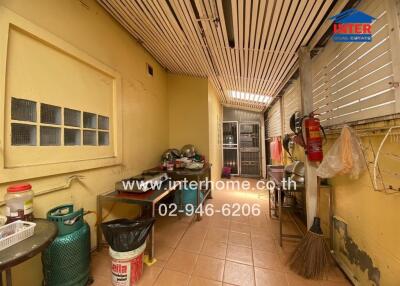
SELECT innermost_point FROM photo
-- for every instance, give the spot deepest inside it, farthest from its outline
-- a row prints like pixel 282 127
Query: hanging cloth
pixel 276 149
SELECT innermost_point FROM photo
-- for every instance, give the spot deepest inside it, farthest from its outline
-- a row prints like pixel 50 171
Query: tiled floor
pixel 220 250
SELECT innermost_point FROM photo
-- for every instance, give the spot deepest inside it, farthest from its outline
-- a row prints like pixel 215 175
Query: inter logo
pixel 352 26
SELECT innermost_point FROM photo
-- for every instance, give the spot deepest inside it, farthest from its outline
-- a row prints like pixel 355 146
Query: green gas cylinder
pixel 66 262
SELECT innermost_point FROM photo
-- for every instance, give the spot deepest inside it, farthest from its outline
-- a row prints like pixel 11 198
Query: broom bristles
pixel 311 257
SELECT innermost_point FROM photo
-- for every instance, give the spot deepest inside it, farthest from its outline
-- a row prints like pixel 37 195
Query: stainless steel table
pixel 146 200
pixel 192 175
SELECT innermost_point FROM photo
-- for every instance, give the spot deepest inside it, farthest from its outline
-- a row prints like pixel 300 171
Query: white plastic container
pixel 127 267
pixel 15 232
pixel 19 203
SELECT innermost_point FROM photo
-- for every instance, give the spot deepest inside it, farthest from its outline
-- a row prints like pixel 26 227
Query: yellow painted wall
pixel 215 137
pixel 145 107
pixel 372 217
pixel 188 112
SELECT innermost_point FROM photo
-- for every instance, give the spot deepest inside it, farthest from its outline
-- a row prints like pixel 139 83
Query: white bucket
pixel 127 267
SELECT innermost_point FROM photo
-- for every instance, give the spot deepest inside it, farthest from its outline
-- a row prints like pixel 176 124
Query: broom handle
pixel 318 194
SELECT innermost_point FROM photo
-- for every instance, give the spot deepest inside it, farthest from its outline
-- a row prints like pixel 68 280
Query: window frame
pixel 8 21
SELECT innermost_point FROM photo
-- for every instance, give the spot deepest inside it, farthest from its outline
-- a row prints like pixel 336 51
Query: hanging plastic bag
pixel 344 158
pixel 127 234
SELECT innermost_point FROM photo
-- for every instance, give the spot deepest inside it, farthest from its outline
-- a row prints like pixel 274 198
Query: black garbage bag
pixel 127 234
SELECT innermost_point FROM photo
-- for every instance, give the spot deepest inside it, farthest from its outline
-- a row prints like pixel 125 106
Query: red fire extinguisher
pixel 313 140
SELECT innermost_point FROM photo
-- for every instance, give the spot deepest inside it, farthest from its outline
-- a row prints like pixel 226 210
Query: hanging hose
pixel 91 212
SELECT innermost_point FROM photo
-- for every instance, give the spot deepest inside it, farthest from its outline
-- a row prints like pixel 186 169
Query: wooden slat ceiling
pixel 248 46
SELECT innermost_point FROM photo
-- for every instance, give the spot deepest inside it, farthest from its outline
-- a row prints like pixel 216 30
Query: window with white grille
pixel 274 120
pixel 291 104
pixel 52 129
pixel 354 81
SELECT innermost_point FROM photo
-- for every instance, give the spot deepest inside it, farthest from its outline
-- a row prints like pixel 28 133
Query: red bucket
pixel 127 267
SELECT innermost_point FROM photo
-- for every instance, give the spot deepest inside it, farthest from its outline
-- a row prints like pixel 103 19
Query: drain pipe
pixel 67 185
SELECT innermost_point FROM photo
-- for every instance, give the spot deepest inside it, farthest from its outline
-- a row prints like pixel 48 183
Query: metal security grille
pixel 72 137
pixel 231 160
pixel 274 120
pixel 50 114
pixel 250 163
pixel 291 104
pixel 103 122
pixel 249 135
pixel 23 134
pixel 23 110
pixel 103 138
pixel 72 117
pixel 50 136
pixel 89 120
pixel 44 128
pixel 89 137
pixel 354 81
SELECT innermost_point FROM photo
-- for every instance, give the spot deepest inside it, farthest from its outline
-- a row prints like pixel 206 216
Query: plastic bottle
pixel 19 203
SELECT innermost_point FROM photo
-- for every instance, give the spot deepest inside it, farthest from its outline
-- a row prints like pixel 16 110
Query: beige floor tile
pixel 263 244
pixel 288 246
pixel 284 258
pixel 266 277
pixel 182 261
pixel 238 238
pixel 238 274
pixel 215 234
pixel 261 232
pixel 199 281
pixel 167 241
pixel 101 281
pixel 161 263
pixel 266 259
pixel 335 274
pixel 240 227
pixel 191 243
pixel 240 219
pixel 239 254
pixel 204 222
pixel 101 266
pixel 296 280
pixel 220 222
pixel 197 230
pixel 335 283
pixel 150 275
pixel 162 251
pixel 210 268
pixel 242 241
pixel 214 249
pixel 169 278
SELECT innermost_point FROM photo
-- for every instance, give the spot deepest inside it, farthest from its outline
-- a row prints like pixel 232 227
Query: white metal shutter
pixel 291 104
pixel 274 120
pixel 352 81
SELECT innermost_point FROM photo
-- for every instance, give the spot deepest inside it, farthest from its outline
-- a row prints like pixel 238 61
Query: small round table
pixel 45 232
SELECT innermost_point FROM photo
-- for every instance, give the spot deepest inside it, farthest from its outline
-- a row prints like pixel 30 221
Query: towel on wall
pixel 276 149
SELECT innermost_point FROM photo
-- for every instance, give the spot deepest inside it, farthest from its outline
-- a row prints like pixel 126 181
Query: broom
pixel 312 255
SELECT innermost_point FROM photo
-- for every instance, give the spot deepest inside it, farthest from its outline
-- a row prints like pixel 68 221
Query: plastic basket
pixel 15 232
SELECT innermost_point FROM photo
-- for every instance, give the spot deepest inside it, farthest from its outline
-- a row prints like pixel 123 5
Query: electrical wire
pixel 377 155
